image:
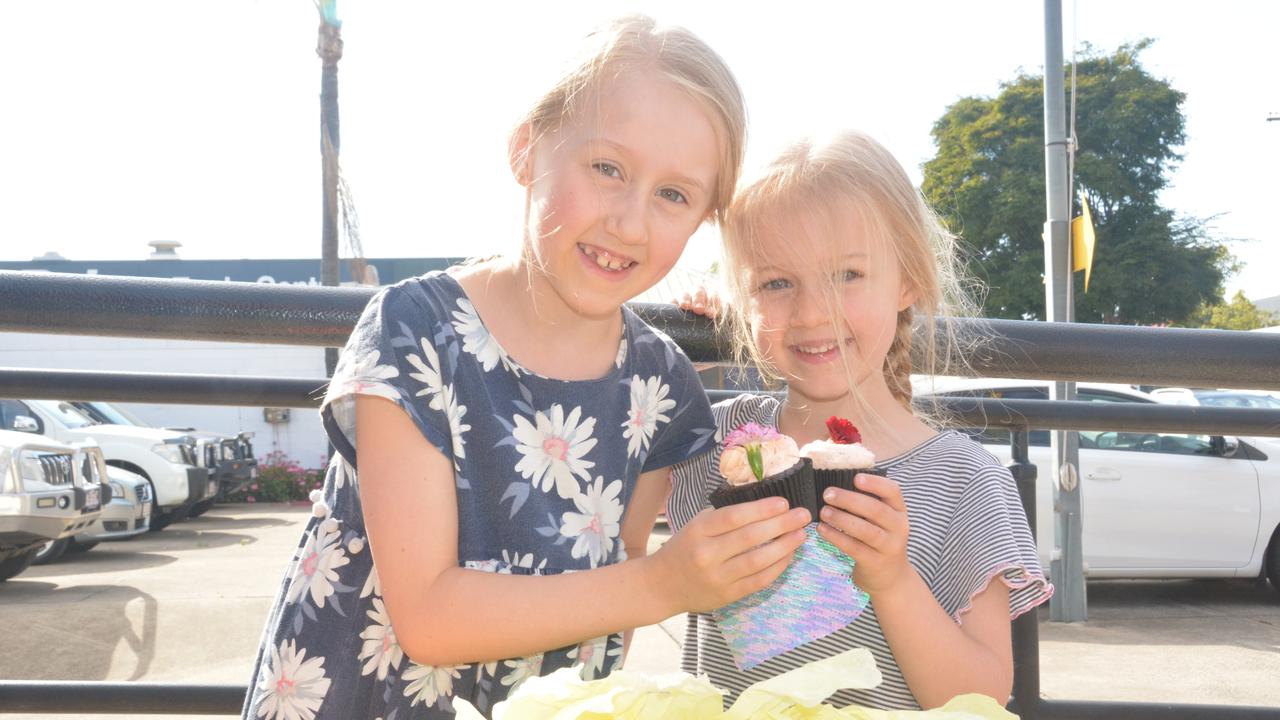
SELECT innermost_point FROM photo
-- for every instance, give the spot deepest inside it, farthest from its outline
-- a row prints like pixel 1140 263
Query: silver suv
pixel 48 491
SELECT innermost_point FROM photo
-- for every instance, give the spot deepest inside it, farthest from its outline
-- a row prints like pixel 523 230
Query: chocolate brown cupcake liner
pixel 795 484
pixel 843 479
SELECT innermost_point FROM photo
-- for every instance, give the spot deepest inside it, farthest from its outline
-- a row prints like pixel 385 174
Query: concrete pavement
pixel 187 605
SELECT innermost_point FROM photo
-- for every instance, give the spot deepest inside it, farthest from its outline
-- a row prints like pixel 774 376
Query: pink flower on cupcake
pixel 754 452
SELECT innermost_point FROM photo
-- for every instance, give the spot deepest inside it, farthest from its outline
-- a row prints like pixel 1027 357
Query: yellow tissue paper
pixel 564 695
pixel 794 695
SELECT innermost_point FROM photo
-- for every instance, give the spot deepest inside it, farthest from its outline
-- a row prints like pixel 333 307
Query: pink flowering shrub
pixel 280 479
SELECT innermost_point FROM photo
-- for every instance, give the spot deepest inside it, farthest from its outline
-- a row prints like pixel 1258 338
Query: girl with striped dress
pixel 835 265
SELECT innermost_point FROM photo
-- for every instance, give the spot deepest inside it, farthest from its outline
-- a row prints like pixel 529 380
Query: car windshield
pixel 65 413
pixel 1240 400
pixel 108 413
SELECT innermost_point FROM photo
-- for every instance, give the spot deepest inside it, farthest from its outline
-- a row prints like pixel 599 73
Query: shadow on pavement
pixel 64 638
pixel 98 560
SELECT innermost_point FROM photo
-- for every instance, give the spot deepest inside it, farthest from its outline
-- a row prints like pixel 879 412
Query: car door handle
pixel 1104 475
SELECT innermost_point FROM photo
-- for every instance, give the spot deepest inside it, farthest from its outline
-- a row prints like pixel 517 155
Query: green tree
pixel 1150 266
pixel 1239 314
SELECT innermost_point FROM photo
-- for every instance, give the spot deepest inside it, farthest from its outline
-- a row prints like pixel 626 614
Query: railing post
pixel 1026 629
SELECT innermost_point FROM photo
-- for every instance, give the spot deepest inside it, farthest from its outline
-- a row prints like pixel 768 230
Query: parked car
pixel 1164 505
pixel 167 459
pixel 1216 398
pixel 230 459
pixel 126 515
pixel 48 491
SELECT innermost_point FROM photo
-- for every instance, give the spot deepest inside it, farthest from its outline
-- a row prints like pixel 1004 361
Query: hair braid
pixel 897 364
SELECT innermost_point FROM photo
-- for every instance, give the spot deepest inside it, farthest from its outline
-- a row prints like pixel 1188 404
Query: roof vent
pixel 164 249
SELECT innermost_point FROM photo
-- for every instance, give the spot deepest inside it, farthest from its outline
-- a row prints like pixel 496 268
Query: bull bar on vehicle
pixel 323 317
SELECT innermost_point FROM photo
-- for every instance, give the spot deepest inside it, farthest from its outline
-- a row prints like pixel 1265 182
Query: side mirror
pixel 1224 446
pixel 25 423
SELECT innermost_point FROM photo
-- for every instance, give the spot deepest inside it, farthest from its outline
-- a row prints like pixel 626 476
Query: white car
pixel 164 457
pixel 1158 505
pixel 1216 398
pixel 126 514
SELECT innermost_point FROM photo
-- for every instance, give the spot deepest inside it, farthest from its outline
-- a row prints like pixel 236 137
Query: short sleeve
pixel 988 538
pixel 691 429
pixel 392 354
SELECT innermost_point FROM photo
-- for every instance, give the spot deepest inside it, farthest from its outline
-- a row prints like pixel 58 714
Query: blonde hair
pixel 637 41
pixel 851 170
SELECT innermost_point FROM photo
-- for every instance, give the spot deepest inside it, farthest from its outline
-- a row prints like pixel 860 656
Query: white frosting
pixel 778 455
pixel 827 455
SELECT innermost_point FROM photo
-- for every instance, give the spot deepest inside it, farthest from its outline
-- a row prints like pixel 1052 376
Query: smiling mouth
pixel 606 260
pixel 818 350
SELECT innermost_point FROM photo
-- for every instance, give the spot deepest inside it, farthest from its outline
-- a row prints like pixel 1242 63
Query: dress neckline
pixel 621 361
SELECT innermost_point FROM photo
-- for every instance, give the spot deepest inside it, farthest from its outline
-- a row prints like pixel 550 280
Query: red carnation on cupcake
pixel 842 431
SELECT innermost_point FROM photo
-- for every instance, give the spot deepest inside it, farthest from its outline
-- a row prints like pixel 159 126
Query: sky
pixel 134 121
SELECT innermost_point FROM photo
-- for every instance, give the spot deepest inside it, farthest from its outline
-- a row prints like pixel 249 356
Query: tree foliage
pixel 1239 314
pixel 1150 265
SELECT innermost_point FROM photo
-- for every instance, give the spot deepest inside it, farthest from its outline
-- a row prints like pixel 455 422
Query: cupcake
pixel 836 461
pixel 759 462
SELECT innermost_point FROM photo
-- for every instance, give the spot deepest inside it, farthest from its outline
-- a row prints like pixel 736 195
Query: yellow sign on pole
pixel 1082 239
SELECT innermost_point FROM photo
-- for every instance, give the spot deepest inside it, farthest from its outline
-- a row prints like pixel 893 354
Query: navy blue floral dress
pixel 544 470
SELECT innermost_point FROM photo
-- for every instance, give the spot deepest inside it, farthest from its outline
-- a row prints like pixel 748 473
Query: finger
pixel 763 579
pixel 871 507
pixel 882 487
pixel 855 527
pixel 728 519
pixel 761 557
pixel 852 547
pixel 762 531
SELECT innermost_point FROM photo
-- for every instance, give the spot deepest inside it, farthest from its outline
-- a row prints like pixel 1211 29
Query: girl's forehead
pixel 639 111
pixel 804 237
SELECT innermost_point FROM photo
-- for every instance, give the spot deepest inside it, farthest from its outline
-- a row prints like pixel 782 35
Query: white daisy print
pixel 441 396
pixel 381 651
pixel 648 403
pixel 292 687
pixel 362 370
pixel 553 446
pixel 318 564
pixel 596 523
pixel 371 584
pixel 455 413
pixel 515 559
pixel 521 669
pixel 428 683
pixel 590 655
pixel 477 340
pixel 428 372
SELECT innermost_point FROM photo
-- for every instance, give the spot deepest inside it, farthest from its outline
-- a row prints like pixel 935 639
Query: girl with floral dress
pixel 504 431
pixel 833 257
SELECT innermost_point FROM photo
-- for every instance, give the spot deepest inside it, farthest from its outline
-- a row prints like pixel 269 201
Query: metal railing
pixel 196 310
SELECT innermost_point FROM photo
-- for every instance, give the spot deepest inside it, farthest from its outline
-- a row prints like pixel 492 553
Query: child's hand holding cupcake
pixel 870 525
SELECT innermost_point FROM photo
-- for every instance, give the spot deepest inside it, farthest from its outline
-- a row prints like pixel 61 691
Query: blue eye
pixel 776 284
pixel 673 195
pixel 607 169
pixel 848 276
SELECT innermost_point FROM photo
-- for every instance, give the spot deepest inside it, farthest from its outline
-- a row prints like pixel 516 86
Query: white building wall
pixel 301 438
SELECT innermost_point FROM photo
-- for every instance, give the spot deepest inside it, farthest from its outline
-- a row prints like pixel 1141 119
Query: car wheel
pixel 79 546
pixel 201 507
pixel 51 551
pixel 16 564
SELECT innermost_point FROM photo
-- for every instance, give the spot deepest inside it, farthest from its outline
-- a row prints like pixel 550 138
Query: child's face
pixel 615 196
pixel 823 294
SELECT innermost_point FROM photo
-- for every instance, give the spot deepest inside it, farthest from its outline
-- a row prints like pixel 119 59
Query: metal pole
pixel 329 48
pixel 1066 566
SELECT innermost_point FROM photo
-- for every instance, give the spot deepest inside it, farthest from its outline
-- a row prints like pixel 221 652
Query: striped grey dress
pixel 967 527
